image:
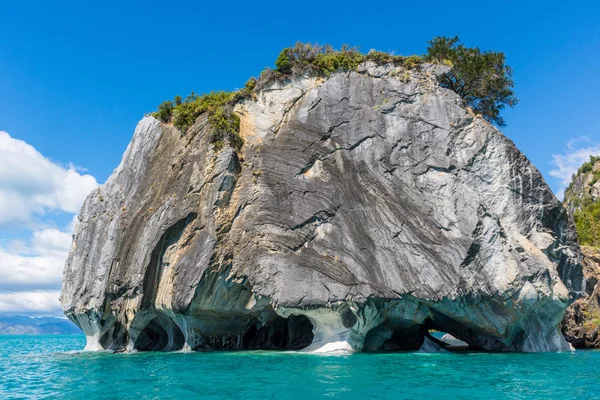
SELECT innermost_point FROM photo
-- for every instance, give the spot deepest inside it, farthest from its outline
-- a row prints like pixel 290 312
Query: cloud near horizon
pixel 37 265
pixel 566 165
pixel 34 192
pixel 39 303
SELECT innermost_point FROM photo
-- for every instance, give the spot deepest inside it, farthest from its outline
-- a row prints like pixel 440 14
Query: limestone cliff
pixel 362 210
pixel 581 324
pixel 584 190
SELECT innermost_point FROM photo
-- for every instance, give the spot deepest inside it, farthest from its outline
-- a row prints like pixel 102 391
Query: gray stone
pixel 363 201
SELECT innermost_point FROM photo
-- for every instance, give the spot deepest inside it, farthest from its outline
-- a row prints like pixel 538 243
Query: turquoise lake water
pixel 49 367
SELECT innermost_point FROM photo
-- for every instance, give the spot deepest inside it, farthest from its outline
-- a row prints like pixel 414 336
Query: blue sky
pixel 75 78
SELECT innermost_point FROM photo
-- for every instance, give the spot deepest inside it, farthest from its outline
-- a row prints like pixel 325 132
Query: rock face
pixel 363 210
pixel 584 189
pixel 581 325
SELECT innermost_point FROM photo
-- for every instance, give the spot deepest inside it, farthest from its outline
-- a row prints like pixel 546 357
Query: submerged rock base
pixel 376 325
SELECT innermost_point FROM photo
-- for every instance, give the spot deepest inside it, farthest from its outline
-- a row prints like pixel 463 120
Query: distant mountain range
pixel 37 326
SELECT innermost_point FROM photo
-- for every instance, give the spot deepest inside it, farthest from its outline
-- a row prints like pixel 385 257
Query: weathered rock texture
pixel 363 210
pixel 584 188
pixel 581 325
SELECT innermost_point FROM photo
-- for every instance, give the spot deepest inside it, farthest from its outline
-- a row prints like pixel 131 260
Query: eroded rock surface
pixel 363 210
pixel 581 325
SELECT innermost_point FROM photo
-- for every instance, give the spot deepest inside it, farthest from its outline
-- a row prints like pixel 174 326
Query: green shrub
pixel 412 61
pixel 323 59
pixel 587 221
pixel 587 167
pixel 250 84
pixel 348 58
pixel 332 62
pixel 381 57
pixel 326 60
pixel 224 125
pixel 591 317
pixel 481 78
pixel 283 63
pixel 165 111
pixel 584 169
pixel 218 106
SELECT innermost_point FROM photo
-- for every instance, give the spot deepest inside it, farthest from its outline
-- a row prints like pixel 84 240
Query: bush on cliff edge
pixel 481 78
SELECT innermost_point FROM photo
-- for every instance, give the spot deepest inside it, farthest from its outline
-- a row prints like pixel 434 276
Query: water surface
pixel 49 367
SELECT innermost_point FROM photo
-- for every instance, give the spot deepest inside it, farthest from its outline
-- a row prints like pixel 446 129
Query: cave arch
pixel 160 335
pixel 388 336
pixel 115 337
pixel 292 333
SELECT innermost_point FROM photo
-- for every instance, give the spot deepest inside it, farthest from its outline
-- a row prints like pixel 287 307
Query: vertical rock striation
pixel 363 210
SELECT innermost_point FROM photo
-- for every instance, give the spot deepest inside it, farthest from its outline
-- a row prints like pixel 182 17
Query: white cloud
pixel 51 242
pixel 565 165
pixel 32 184
pixel 35 303
pixel 34 192
pixel 38 264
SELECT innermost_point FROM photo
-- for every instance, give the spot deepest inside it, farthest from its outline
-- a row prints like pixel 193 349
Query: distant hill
pixel 19 325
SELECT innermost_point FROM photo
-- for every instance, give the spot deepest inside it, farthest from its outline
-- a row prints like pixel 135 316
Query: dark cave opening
pixel 450 334
pixel 388 337
pixel 156 337
pixel 401 336
pixel 115 337
pixel 293 333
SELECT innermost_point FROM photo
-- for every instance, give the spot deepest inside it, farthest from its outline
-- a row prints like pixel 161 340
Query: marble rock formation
pixel 363 210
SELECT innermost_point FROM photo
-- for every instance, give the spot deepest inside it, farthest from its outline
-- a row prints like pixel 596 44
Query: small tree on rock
pixel 480 77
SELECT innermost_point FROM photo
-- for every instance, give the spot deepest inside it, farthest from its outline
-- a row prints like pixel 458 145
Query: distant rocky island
pixel 341 202
pixel 19 325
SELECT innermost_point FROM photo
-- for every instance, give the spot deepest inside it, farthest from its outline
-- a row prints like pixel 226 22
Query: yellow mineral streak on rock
pixel 247 126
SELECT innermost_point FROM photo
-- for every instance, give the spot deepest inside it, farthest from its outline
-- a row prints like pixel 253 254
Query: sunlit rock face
pixel 363 210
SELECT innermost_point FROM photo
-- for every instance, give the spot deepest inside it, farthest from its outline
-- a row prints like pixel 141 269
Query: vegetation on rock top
pixel 481 78
pixel 584 169
pixel 218 106
pixel 587 221
pixel 326 60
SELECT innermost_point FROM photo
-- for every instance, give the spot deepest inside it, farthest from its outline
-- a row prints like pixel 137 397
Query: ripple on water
pixel 54 367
